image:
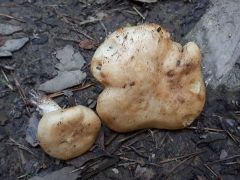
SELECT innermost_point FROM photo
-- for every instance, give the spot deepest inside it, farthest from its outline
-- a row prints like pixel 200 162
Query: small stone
pixel 115 170
pixel 41 39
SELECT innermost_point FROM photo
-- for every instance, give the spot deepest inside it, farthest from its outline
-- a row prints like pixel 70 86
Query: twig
pixel 221 160
pixel 131 136
pixel 93 20
pixel 162 141
pixel 210 169
pixel 22 94
pixel 232 137
pixel 138 162
pixel 67 39
pixel 84 34
pixel 138 12
pixel 11 17
pixel 178 165
pixel 57 94
pixel 21 146
pixel 137 152
pixel 7 67
pixel 22 176
pixel 9 85
pixel 104 28
pixel 111 139
pixel 180 157
pixel 206 129
pixel 78 169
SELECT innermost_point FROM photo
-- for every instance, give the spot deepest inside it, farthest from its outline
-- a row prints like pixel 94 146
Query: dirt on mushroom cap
pixel 150 81
pixel 67 133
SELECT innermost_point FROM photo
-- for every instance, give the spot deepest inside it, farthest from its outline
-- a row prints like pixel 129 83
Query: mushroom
pixel 150 81
pixel 65 133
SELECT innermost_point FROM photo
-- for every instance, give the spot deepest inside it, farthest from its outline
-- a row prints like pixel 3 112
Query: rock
pixel 41 39
pixel 218 35
pixel 14 44
pixel 62 174
pixel 63 80
pixel 8 29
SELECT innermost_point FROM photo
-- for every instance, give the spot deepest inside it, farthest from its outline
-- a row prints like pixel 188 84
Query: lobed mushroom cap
pixel 67 133
pixel 150 81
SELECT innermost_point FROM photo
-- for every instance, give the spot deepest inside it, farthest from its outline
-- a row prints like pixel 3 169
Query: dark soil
pixel 209 149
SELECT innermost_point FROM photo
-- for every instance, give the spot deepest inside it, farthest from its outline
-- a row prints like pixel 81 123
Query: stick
pixel 221 160
pixel 21 146
pixel 22 94
pixel 206 129
pixel 211 170
pixel 138 12
pixel 11 17
pixel 179 164
pixel 57 94
pixel 180 157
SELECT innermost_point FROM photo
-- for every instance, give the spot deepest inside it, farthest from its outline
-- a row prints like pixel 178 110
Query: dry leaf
pixel 87 44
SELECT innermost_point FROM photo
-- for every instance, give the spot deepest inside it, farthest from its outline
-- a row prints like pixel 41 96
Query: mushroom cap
pixel 150 81
pixel 67 133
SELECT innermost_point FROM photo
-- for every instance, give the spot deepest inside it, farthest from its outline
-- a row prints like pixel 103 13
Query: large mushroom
pixel 66 133
pixel 150 81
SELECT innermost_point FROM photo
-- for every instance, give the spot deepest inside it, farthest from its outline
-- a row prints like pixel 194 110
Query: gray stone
pixel 218 35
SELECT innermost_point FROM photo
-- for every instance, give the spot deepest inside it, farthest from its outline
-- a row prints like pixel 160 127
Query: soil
pixel 209 149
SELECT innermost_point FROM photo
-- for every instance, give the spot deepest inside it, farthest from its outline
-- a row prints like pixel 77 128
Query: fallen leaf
pixel 14 44
pixel 62 174
pixel 69 60
pixel 63 80
pixel 87 44
pixel 31 132
pixel 8 29
pixel 223 154
pixel 144 173
pixel 100 139
pixel 2 41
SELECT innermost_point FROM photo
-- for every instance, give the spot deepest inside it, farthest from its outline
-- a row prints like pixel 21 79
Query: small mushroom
pixel 150 81
pixel 66 133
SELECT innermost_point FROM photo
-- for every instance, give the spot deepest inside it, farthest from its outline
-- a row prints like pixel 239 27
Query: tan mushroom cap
pixel 67 133
pixel 150 81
